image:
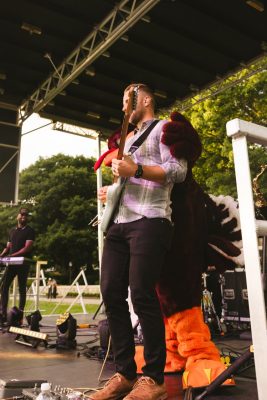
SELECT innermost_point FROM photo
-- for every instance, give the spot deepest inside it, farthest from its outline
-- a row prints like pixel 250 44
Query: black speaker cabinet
pixel 235 296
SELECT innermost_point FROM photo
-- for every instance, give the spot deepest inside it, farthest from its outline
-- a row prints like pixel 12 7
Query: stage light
pixel 33 320
pixel 193 88
pixel 26 332
pixel 14 317
pixel 75 82
pixel 30 338
pixel 106 54
pixel 90 71
pixel 66 331
pixel 93 114
pixel 114 120
pixel 146 19
pixel 125 38
pixel 31 28
pixel 258 5
pixel 160 93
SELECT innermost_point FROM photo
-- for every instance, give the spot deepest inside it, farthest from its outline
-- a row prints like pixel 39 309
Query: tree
pixel 63 191
pixel 8 216
pixel 215 168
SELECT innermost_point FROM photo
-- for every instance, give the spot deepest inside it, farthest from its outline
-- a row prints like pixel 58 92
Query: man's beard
pixel 136 117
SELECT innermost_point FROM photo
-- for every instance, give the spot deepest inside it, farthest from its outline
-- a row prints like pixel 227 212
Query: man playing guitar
pixel 19 244
pixel 134 249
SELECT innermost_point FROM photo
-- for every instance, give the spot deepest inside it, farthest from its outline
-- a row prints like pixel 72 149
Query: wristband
pixel 139 171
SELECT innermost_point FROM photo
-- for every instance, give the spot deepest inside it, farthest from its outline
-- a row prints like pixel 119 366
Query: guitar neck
pixel 130 107
pixel 124 131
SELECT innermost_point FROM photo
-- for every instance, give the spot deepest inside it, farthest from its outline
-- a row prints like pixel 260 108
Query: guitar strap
pixel 117 192
pixel 143 137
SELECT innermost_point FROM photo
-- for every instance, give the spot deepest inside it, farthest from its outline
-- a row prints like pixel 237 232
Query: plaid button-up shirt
pixel 140 197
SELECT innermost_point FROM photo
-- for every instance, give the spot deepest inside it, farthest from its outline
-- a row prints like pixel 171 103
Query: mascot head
pixel 113 144
pixel 182 138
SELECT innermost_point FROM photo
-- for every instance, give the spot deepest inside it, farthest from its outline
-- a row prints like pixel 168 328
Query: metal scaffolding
pixel 113 27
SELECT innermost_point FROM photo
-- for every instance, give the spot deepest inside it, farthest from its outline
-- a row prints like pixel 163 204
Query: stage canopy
pixel 174 46
pixel 70 60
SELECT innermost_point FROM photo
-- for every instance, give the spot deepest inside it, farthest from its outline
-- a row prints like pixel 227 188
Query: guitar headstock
pixel 132 95
pixel 132 99
pixel 135 96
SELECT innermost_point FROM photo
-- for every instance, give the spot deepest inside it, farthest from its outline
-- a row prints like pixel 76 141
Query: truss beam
pixel 8 161
pixel 114 26
pixel 75 130
pixel 245 72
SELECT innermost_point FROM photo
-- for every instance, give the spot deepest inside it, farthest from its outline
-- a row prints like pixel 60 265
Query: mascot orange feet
pixel 203 362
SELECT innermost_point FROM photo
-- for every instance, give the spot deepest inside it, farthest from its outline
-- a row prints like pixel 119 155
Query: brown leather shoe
pixel 147 389
pixel 116 388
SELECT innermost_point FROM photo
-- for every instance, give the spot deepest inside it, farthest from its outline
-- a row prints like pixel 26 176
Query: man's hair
pixel 143 88
pixel 24 210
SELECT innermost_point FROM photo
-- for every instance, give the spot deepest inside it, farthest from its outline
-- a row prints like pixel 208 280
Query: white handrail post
pixel 240 132
pixel 15 286
pixel 37 280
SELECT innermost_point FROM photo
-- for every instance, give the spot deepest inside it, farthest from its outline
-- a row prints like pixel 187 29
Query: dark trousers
pixel 10 273
pixel 133 256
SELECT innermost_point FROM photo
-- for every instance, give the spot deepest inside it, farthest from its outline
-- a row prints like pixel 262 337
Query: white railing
pixel 241 133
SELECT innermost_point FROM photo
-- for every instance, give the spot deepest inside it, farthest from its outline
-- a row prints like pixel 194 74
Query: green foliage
pixel 215 168
pixel 61 192
pixel 8 216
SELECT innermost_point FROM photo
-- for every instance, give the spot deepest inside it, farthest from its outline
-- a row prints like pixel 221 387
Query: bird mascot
pixel 206 234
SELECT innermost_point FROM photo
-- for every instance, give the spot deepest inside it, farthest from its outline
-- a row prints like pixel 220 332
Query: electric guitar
pixel 114 191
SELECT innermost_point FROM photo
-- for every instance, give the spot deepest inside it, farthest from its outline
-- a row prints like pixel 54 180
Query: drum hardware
pixel 94 221
pixel 208 308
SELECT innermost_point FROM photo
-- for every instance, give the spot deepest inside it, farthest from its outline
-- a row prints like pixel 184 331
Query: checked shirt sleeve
pixel 175 169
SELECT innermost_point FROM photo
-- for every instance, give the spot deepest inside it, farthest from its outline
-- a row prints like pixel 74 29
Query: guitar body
pixel 113 197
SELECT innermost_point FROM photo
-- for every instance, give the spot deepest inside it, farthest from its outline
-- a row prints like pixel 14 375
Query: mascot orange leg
pixel 174 361
pixel 203 362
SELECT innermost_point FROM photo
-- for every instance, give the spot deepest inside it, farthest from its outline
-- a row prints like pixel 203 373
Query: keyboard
pixel 12 260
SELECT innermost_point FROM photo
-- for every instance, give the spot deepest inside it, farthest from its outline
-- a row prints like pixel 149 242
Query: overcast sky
pixel 46 142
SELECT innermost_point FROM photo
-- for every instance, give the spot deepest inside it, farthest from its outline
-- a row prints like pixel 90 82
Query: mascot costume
pixel 206 234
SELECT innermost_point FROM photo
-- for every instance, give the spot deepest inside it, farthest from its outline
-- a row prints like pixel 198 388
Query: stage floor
pixel 72 369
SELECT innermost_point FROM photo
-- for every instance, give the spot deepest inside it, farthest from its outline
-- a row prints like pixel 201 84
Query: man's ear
pixel 147 101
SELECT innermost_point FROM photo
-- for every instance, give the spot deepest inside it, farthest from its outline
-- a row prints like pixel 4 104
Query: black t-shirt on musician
pixel 19 236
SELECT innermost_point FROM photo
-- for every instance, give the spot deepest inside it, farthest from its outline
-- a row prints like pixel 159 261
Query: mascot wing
pixel 225 249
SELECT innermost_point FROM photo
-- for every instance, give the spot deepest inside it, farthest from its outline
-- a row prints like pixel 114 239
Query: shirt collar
pixel 145 125
pixel 21 227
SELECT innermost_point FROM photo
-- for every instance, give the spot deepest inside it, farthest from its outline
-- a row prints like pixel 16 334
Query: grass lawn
pixel 46 307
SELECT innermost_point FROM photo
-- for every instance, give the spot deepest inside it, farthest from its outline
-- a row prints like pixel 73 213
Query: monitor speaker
pixel 235 296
